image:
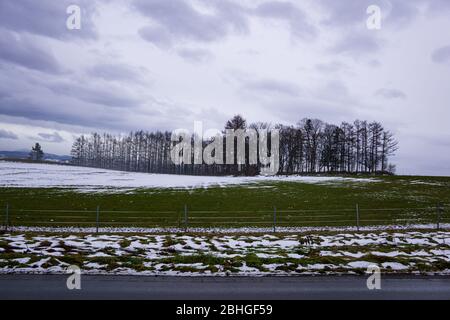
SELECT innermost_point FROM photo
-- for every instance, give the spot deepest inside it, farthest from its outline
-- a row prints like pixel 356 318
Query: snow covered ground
pixel 221 255
pixel 32 175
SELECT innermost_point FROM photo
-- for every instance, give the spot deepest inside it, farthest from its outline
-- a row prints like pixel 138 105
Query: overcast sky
pixel 162 64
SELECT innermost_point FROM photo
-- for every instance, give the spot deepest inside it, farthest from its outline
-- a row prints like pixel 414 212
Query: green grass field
pixel 389 200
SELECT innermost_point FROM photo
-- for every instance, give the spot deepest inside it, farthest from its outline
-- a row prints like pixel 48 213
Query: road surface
pixel 207 288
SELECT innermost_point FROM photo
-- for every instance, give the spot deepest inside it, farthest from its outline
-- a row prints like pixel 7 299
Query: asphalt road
pixel 207 288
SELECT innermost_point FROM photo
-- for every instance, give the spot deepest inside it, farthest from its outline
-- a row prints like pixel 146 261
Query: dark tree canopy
pixel 36 153
pixel 237 122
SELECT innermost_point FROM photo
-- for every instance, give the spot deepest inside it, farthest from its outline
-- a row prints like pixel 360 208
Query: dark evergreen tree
pixel 36 153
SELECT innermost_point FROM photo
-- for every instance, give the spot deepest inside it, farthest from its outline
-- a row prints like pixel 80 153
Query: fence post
pixel 98 218
pixel 7 217
pixel 439 210
pixel 357 217
pixel 274 219
pixel 185 217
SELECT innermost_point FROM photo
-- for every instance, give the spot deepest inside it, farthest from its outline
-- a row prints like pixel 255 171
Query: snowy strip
pixel 409 252
pixel 243 230
pixel 33 175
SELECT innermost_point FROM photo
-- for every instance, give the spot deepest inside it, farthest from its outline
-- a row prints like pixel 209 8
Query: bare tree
pixel 312 146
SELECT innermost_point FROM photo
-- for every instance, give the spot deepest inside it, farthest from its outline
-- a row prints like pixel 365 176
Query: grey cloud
pixel 70 101
pixel 271 86
pixel 30 98
pixel 23 51
pixel 329 101
pixel 390 93
pixel 439 6
pixel 292 110
pixel 116 72
pixel 74 113
pixel 5 134
pixel 351 16
pixel 77 101
pixel 54 137
pixel 271 91
pixel 357 44
pixel 353 12
pixel 374 63
pixel 331 67
pixel 250 52
pixel 345 12
pixel 232 12
pixel 47 17
pixel 178 20
pixel 434 138
pixel 107 96
pixel 157 35
pixel 441 55
pixel 333 90
pixel 297 19
pixel 195 55
pixel 46 108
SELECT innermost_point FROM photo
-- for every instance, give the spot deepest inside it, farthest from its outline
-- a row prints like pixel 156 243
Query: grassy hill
pixel 388 200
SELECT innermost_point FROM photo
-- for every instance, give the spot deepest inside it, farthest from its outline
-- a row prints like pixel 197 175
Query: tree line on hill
pixel 310 147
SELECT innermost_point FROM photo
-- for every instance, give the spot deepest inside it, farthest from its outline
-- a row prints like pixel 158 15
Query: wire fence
pixel 186 218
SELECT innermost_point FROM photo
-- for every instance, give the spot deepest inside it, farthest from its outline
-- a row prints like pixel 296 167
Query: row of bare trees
pixel 312 146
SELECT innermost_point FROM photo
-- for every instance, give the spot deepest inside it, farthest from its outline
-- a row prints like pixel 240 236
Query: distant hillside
pixel 25 155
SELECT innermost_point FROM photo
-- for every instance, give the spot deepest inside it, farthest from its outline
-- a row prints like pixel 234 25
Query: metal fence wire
pixel 186 218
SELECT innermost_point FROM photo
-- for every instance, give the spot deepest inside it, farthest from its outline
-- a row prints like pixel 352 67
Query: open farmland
pixel 63 196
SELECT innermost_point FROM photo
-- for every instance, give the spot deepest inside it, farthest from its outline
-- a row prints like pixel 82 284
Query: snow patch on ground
pixel 361 264
pixel 34 175
pixel 221 255
pixel 394 266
